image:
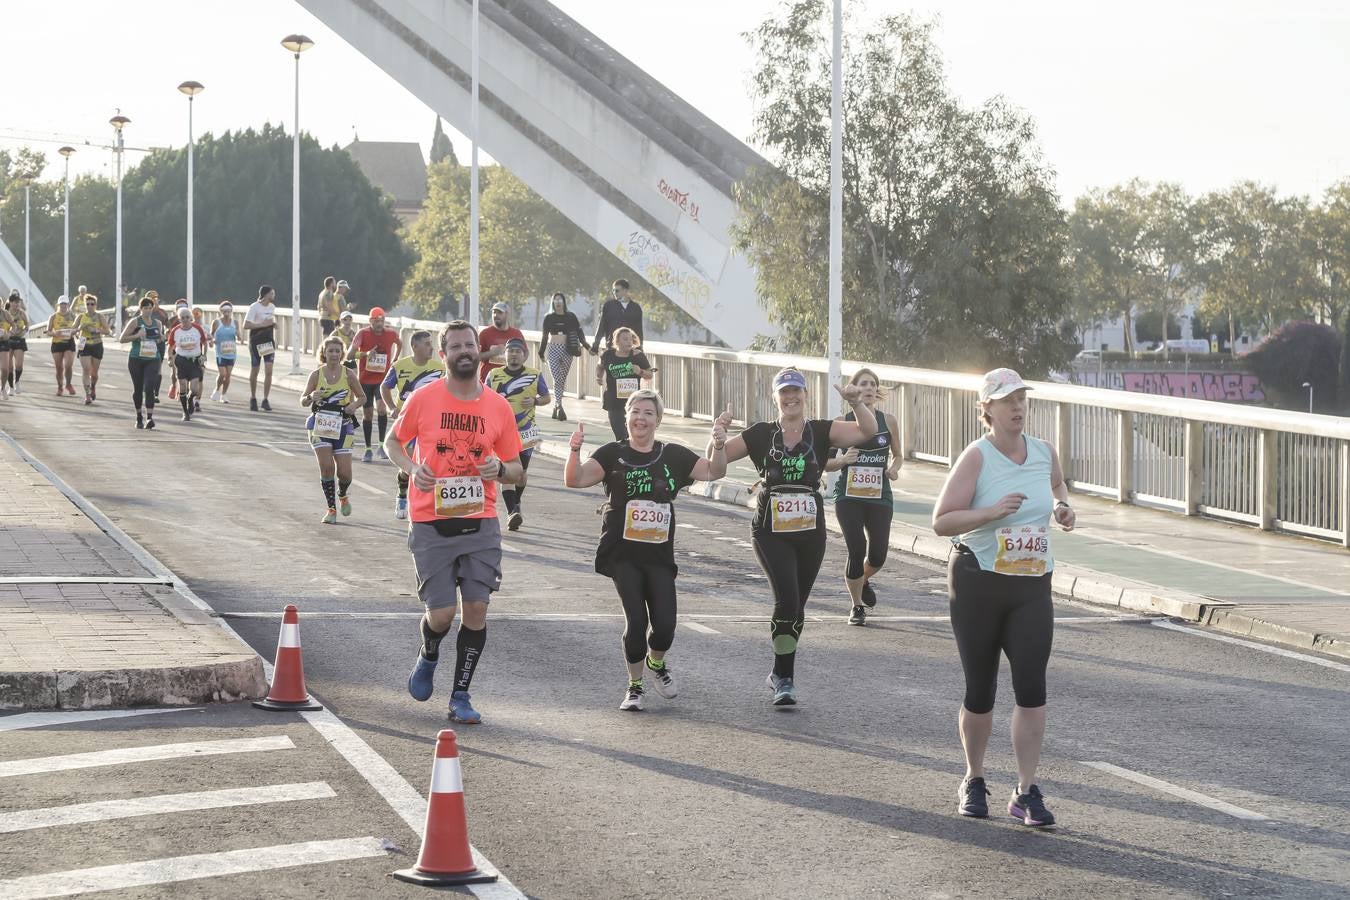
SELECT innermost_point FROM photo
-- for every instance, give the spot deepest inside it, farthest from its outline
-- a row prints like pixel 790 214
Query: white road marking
pixel 103 810
pixel 207 422
pixel 365 487
pixel 1288 654
pixel 1181 792
pixel 42 719
pixel 701 629
pixel 277 450
pixel 122 755
pixel 398 793
pixel 188 868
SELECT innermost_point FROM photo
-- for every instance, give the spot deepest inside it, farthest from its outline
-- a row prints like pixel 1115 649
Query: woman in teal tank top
pixel 996 506
pixel 862 497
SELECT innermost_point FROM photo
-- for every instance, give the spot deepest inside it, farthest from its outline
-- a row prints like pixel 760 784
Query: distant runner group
pixel 464 405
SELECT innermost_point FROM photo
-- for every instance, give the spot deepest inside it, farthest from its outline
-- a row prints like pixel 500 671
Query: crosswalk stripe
pixel 72 717
pixel 38 765
pixel 187 868
pixel 130 807
pixel 1166 787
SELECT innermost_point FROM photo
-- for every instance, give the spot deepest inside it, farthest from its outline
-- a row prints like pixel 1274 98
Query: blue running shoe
pixel 420 681
pixel 783 693
pixel 462 711
pixel 1030 808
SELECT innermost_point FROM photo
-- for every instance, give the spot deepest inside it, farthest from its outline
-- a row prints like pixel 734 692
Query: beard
pixel 465 367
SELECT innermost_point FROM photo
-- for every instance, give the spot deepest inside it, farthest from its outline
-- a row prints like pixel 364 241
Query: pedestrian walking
pixel 561 341
pixel 620 311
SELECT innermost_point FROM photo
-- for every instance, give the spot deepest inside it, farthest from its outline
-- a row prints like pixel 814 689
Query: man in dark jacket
pixel 616 313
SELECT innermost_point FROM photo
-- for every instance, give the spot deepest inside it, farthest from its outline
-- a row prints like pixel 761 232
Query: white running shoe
pixel 215 395
pixel 665 681
pixel 16 389
pixel 401 508
pixel 224 399
pixel 632 698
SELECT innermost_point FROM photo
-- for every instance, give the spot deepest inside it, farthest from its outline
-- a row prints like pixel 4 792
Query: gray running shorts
pixel 470 563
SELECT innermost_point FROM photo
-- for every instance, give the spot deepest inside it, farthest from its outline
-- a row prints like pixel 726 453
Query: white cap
pixel 1000 383
pixel 63 299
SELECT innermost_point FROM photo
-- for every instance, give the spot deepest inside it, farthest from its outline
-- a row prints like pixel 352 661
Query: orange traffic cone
pixel 446 857
pixel 288 675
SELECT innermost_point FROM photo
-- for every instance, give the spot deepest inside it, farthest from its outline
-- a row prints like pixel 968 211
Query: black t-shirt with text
pixel 653 479
pixel 799 467
pixel 621 367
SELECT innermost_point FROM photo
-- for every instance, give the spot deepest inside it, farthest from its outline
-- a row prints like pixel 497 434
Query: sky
pixel 1199 92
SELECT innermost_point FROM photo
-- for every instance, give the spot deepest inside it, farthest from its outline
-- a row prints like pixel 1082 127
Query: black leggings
pixel 791 565
pixel 618 421
pixel 867 533
pixel 991 613
pixel 647 592
pixel 144 381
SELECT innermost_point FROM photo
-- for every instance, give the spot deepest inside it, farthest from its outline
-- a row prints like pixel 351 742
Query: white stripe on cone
pixel 446 777
pixel 290 636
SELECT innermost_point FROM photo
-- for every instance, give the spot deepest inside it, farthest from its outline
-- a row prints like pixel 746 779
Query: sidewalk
pixel 1271 587
pixel 84 623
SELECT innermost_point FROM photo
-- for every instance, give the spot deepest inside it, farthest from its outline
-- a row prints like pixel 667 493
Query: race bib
pixel 225 349
pixel 149 349
pixel 266 348
pixel 792 512
pixel 529 437
pixel 458 497
pixel 63 334
pixel 1022 550
pixel 189 344
pixel 624 387
pixel 647 521
pixel 864 482
pixel 328 425
pixel 377 362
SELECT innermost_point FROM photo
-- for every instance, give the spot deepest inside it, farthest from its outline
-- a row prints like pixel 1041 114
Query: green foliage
pixel 16 168
pixel 91 233
pixel 441 148
pixel 954 244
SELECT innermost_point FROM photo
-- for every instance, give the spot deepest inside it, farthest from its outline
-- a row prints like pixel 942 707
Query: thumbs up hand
pixel 578 436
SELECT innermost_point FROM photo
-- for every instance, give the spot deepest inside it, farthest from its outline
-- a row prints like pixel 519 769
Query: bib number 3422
pixel 458 497
pixel 1022 550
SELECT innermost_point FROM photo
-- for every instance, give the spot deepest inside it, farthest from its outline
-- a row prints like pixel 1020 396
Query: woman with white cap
pixel 788 529
pixel 225 337
pixel 996 505
pixel 61 329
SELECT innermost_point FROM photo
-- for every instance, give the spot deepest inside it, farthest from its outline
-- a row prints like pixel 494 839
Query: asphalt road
pixel 714 794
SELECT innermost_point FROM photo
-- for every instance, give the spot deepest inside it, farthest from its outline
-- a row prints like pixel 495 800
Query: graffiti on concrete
pixel 1233 387
pixel 665 271
pixel 679 198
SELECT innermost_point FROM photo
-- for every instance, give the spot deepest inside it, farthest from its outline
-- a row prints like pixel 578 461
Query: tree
pixel 441 148
pixel 1296 354
pixel 1329 226
pixel 17 168
pixel 91 233
pixel 953 240
pixel 243 221
pixel 439 240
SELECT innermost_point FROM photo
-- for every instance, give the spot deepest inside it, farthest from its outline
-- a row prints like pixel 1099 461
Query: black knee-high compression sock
pixel 468 648
pixel 328 492
pixel 365 428
pixel 786 633
pixel 343 484
pixel 18 374
pixel 384 426
pixel 431 641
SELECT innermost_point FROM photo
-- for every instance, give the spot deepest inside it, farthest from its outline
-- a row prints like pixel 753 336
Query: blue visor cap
pixel 789 378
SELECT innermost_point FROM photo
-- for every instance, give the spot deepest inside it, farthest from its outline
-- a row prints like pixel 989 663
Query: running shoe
pixel 420 682
pixel 88 400
pixel 266 407
pixel 224 399
pixel 187 416
pixel 971 796
pixel 70 389
pixel 140 420
pixel 401 508
pixel 632 697
pixel 93 393
pixel 380 454
pixel 514 521
pixel 869 596
pixel 1030 808
pixel 60 391
pixel 252 404
pixel 462 711
pixel 369 455
pixel 17 392
pixel 215 395
pixel 330 517
pixel 665 681
pixel 345 504
pixel 196 405
pixel 783 692
pixel 149 423
pixel 858 616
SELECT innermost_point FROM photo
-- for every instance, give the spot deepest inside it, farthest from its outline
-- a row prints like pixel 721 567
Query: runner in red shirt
pixel 463 440
pixel 375 348
pixel 492 340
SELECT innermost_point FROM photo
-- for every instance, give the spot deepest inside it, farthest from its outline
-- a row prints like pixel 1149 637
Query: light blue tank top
pixel 227 333
pixel 1000 476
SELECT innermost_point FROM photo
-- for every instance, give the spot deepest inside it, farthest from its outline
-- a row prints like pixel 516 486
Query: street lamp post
pixel 1309 387
pixel 473 172
pixel 836 291
pixel 192 89
pixel 297 44
pixel 65 253
pixel 27 268
pixel 118 122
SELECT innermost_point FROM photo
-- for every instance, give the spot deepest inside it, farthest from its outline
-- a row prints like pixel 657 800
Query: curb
pixel 1074 582
pixel 239 677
